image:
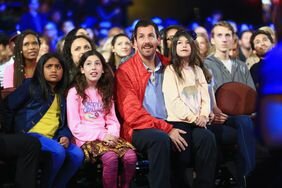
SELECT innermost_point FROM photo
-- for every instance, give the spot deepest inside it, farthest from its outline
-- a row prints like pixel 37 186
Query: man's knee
pixel 203 136
pixel 161 138
pixel 202 133
pixel 151 138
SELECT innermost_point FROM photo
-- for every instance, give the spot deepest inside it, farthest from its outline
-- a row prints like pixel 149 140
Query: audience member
pixel 222 67
pixel 67 26
pixel 51 33
pixel 224 70
pixel 270 31
pixel 6 55
pixel 33 19
pixel 44 47
pixel 24 149
pixel 245 49
pixel 201 30
pixel 73 49
pixel 168 34
pixel 187 103
pixel 203 44
pixel 261 43
pixel 121 49
pixel 93 122
pixel 114 31
pixel 38 108
pixel 141 105
pixel 26 51
pixel 234 48
pixel 269 105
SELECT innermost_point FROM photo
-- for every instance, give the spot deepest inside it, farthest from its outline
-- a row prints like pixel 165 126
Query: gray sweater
pixel 239 72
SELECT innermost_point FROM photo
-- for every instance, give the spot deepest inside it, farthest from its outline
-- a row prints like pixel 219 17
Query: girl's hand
pixel 111 140
pixel 202 121
pixel 64 141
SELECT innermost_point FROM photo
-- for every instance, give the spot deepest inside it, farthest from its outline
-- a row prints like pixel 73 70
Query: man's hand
pixel 219 116
pixel 64 141
pixel 177 139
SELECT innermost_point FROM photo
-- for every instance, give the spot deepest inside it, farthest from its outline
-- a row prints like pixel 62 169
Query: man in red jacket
pixel 141 105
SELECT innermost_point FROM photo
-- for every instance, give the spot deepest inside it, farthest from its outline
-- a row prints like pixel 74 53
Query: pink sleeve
pixel 8 80
pixel 112 122
pixel 82 132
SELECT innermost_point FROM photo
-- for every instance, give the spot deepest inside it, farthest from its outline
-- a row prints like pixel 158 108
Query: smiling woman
pixel 121 48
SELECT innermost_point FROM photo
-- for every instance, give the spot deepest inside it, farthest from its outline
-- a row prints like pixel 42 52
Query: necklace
pixel 28 72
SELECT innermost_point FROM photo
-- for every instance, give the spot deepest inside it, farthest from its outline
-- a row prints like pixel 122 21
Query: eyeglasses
pixel 170 38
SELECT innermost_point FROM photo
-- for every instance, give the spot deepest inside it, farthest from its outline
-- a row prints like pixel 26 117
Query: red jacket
pixel 132 78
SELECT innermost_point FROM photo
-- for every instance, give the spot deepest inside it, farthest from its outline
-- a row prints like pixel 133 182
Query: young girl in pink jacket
pixel 93 122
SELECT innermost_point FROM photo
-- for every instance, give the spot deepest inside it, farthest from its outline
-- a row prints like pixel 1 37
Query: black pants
pixel 200 154
pixel 157 145
pixel 26 150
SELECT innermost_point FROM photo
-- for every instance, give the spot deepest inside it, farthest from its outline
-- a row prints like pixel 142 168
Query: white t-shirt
pixel 227 64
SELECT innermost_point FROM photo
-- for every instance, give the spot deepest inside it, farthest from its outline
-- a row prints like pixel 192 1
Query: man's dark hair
pixel 258 32
pixel 243 32
pixel 145 23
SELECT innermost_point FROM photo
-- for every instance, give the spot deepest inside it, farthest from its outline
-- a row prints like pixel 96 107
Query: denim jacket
pixel 24 111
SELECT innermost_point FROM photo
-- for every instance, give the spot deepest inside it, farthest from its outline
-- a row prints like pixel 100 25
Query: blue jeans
pixel 239 130
pixel 246 141
pixel 62 162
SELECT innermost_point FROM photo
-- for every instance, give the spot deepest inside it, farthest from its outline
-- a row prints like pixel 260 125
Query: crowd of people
pixel 152 93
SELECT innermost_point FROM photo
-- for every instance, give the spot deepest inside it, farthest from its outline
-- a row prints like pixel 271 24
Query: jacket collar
pixel 139 63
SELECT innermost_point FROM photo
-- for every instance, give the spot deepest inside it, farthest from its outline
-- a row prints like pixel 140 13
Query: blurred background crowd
pixel 50 17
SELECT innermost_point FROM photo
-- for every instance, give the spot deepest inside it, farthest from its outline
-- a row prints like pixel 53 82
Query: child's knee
pixel 130 157
pixel 110 158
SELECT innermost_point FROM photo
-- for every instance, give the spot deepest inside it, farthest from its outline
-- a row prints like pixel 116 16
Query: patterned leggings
pixel 110 163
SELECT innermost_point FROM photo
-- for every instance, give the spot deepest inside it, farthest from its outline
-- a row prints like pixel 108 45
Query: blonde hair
pixel 222 24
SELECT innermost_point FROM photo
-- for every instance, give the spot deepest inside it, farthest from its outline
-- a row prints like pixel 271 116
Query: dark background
pixel 185 11
pixel 188 10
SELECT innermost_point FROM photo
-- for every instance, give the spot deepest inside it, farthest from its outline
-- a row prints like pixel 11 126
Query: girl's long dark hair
pixel 105 84
pixel 194 58
pixel 38 79
pixel 19 58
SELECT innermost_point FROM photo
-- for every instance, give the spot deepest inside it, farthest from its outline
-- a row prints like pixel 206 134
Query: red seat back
pixel 235 98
